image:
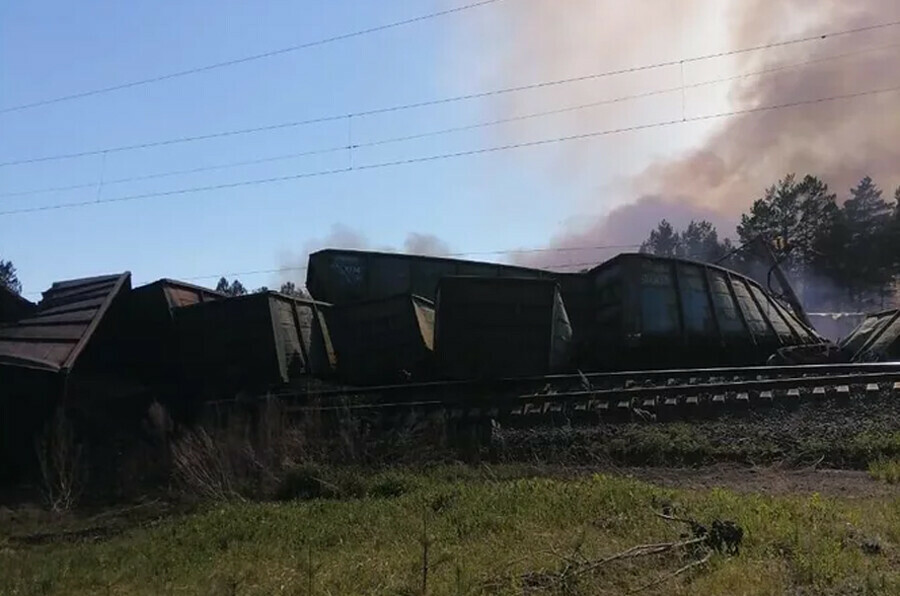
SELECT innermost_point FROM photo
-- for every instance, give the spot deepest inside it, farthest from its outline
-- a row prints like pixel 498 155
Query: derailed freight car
pixel 658 312
pixel 64 352
pixel 344 276
pixel 501 328
pixel 252 343
pixel 152 339
pixel 389 340
pixel 876 339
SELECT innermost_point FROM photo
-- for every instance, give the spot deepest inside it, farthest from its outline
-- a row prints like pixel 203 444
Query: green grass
pixel 885 470
pixel 484 529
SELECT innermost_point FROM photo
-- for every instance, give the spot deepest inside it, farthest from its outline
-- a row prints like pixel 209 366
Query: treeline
pixel 839 254
pixel 236 288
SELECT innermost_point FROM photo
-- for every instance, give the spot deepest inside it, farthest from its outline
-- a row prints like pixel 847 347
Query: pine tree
pixel 700 241
pixel 8 277
pixel 663 241
pixel 868 251
pixel 234 288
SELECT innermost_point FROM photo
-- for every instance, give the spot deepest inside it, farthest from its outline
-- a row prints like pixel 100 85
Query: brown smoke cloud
pixel 734 161
pixel 840 140
pixel 425 244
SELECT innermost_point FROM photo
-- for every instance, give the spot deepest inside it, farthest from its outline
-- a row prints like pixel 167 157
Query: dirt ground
pixel 768 480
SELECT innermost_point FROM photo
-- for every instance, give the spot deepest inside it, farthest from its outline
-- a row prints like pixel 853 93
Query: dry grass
pixel 486 532
pixel 264 454
pixel 61 463
pixel 885 470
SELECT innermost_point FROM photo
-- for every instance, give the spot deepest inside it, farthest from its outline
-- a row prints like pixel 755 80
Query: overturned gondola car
pixel 341 276
pixel 501 328
pixel 151 352
pixel 65 351
pixel 876 339
pixel 658 312
pixel 385 340
pixel 635 311
pixel 252 343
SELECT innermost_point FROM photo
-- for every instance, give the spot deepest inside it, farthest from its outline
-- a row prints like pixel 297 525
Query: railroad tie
pixel 719 399
pixel 533 409
pixel 872 388
pixel 818 392
pixel 692 400
pixel 793 393
pixel 843 390
pixel 766 396
pixel 897 387
pixel 742 398
pixel 670 402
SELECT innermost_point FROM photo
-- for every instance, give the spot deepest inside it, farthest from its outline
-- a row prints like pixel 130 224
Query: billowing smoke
pixel 717 171
pixel 293 265
pixel 622 230
pixel 425 244
pixel 840 140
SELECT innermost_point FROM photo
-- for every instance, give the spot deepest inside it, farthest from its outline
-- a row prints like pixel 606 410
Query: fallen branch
pixel 674 574
pixel 683 520
pixel 642 550
pixel 721 537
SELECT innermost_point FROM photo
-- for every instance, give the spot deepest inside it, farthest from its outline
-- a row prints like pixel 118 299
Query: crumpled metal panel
pixel 876 339
pixel 53 336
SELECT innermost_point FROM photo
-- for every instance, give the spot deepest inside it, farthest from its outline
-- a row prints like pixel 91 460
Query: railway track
pixel 612 396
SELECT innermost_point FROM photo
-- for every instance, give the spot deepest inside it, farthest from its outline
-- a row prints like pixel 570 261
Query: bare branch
pixel 674 574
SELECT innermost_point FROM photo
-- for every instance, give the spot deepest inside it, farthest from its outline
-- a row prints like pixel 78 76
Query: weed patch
pixel 886 470
pixel 479 530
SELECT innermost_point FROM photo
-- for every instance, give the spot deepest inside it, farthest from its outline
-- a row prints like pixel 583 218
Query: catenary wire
pixel 444 131
pixel 442 156
pixel 443 255
pixel 245 59
pixel 440 101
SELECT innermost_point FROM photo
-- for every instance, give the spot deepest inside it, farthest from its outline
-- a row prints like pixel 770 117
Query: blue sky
pixel 490 202
pixel 524 198
pixel 55 48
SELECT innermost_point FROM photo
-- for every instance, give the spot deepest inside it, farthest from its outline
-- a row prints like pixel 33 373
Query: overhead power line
pixel 443 255
pixel 245 59
pixel 433 102
pixel 442 156
pixel 444 131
